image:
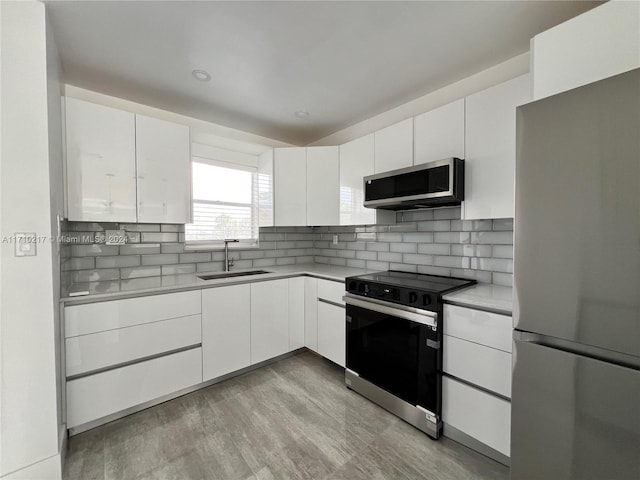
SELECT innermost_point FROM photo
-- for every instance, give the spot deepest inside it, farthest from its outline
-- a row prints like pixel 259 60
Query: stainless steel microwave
pixel 433 184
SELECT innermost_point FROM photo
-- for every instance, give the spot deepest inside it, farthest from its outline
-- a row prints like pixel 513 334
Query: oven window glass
pixel 431 180
pixel 391 353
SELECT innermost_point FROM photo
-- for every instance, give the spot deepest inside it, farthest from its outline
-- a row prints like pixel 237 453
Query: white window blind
pixel 225 204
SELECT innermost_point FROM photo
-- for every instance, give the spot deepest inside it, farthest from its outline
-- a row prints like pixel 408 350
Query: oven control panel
pixel 394 294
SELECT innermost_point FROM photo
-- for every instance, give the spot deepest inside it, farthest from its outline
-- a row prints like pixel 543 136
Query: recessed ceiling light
pixel 301 114
pixel 201 75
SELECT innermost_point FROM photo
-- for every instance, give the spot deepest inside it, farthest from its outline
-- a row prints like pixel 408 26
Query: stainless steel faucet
pixel 228 262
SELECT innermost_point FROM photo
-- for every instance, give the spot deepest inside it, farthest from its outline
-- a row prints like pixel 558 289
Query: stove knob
pixel 413 297
pixel 426 300
pixel 361 287
pixel 352 287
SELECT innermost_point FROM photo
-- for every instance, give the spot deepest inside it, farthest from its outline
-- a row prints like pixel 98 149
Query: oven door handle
pixel 423 317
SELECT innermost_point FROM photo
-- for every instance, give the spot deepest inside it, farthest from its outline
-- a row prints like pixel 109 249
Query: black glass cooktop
pixel 432 283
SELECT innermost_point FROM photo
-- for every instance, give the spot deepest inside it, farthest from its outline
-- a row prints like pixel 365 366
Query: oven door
pixel 396 350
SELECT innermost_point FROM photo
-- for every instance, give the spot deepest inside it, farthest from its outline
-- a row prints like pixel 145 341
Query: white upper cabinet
pixel 598 44
pixel 394 147
pixel 101 178
pixel 490 149
pixel 163 156
pixel 290 186
pixel 265 189
pixel 439 133
pixel 323 186
pixel 356 162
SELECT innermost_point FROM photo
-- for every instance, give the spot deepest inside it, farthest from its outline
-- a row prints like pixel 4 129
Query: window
pixel 225 204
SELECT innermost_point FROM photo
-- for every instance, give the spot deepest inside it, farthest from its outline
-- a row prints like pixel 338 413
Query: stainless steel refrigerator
pixel 576 373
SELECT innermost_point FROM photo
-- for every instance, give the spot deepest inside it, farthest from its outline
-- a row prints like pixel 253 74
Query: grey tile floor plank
pixel 293 419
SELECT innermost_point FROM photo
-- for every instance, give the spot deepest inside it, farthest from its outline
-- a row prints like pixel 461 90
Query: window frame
pixel 216 245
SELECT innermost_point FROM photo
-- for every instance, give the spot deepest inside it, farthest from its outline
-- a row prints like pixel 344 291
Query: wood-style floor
pixel 294 419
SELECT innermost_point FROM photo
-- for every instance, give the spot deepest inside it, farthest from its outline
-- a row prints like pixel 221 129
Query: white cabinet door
pixel 356 162
pixel 598 44
pixel 269 319
pixel 483 416
pixel 394 147
pixel 163 156
pixel 311 313
pixel 323 186
pixel 290 186
pixel 96 396
pixel 439 133
pixel 226 330
pixel 101 168
pixel 265 189
pixel 332 338
pixel 491 149
pixel 296 313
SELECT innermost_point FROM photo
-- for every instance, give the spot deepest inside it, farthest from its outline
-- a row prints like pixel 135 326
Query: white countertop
pixel 112 290
pixel 483 296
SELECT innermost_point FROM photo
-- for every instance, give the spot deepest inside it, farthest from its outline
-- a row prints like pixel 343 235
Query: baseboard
pixel 474 444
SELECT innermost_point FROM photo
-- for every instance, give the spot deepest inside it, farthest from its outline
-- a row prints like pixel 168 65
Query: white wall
pixel 598 44
pixel 28 403
pixel 502 72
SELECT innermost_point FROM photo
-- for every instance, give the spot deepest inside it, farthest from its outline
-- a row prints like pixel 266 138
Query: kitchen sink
pixel 214 276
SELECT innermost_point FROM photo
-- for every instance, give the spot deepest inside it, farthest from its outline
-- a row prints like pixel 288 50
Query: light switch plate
pixel 115 237
pixel 25 245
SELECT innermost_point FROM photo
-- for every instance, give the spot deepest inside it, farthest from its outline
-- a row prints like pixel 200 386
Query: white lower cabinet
pixel 476 361
pixel 483 416
pixel 311 313
pixel 332 338
pixel 226 330
pixel 269 319
pixel 332 333
pixel 96 396
pixel 296 313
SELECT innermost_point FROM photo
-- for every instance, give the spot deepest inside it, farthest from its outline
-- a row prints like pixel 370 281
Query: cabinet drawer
pixel 484 366
pixel 86 353
pixel 490 329
pixel 478 414
pixel 332 291
pixel 96 396
pixel 99 317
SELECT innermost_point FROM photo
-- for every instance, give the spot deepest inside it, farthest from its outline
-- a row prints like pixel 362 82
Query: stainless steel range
pixel 394 343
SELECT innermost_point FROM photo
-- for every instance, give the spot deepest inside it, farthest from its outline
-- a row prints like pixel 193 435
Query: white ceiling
pixel 342 62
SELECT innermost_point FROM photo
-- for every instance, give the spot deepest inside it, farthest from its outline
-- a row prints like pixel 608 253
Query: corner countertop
pixel 119 289
pixel 484 297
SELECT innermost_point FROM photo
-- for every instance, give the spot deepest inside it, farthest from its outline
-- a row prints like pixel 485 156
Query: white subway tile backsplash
pixel 418 237
pixel 435 226
pixel 403 247
pixel 389 257
pixel 471 250
pixel 378 247
pixel 137 272
pixel 197 257
pixel 452 262
pixel 161 259
pixel 375 265
pixel 424 241
pixel 434 248
pixel 178 269
pixel 447 213
pixel 417 259
pixel 118 261
pixel 366 255
pixel 353 263
pixel 154 237
pixel 142 248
